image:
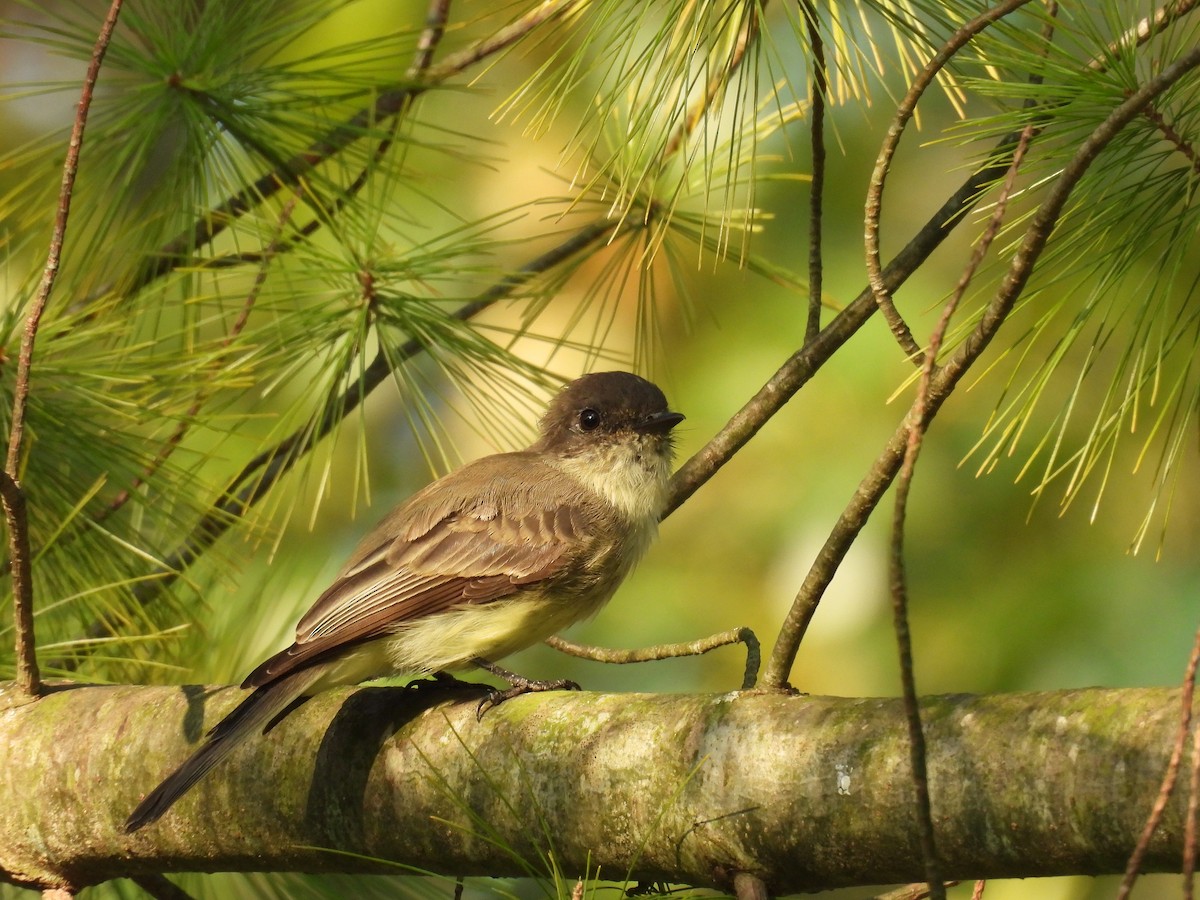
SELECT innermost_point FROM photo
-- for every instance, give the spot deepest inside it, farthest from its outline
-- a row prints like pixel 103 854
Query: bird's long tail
pixel 252 715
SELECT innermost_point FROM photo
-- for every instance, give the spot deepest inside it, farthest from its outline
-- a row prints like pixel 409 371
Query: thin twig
pixel 1166 788
pixel 879 477
pixel 1143 31
pixel 431 36
pixel 816 196
pixel 1193 806
pixel 697 647
pixel 916 733
pixel 13 496
pixel 898 582
pixel 904 112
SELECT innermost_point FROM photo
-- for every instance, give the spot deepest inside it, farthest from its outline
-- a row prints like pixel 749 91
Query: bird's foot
pixel 518 685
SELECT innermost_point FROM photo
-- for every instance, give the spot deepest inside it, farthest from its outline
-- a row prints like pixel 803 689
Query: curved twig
pixel 670 651
pixel 904 111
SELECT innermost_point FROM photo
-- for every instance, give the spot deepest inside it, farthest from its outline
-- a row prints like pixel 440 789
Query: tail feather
pixel 262 708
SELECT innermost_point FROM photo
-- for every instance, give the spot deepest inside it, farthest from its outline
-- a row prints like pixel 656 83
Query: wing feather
pixel 443 549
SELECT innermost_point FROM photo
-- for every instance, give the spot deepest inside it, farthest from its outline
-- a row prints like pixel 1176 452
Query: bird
pixel 492 558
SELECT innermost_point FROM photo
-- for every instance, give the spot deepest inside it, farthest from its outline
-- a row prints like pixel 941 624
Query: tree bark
pixel 803 792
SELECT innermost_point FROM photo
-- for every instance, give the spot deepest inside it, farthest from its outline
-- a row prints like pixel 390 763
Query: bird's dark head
pixel 603 408
pixel 612 432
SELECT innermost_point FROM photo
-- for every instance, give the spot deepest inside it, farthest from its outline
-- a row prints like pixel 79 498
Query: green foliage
pixel 1109 343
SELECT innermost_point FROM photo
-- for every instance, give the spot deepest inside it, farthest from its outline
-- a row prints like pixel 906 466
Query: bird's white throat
pixel 631 475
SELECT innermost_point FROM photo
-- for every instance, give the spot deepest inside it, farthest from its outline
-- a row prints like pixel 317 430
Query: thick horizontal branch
pixel 803 792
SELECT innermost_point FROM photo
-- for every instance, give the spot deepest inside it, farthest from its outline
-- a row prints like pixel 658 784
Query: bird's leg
pixel 518 685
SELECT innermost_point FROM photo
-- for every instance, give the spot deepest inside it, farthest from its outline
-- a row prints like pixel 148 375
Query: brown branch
pixel 20 562
pixel 1134 867
pixel 1143 31
pixel 670 651
pixel 802 365
pixel 1184 146
pixel 816 197
pixel 874 204
pixel 875 483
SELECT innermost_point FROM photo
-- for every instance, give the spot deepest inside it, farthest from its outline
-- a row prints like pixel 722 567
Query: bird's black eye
pixel 589 419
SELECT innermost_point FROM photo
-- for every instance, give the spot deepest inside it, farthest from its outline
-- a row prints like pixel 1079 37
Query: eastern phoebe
pixel 491 559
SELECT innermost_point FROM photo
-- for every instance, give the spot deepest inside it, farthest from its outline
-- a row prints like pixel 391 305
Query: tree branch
pixel 772 785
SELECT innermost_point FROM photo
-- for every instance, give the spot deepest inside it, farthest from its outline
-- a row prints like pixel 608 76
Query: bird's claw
pixel 496 696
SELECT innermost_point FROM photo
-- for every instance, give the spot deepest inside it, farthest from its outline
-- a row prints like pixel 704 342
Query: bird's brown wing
pixel 429 557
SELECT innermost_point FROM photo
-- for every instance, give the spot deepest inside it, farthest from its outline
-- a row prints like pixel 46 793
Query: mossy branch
pixel 685 788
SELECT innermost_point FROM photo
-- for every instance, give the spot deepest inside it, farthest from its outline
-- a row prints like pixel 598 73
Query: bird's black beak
pixel 659 422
